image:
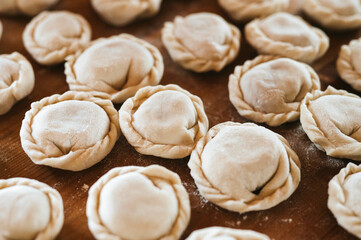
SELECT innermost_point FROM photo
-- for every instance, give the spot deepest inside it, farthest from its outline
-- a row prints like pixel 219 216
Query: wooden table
pixel 303 216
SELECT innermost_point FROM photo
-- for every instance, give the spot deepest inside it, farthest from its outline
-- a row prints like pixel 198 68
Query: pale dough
pixel 29 210
pixel 270 89
pixel 132 203
pixel 349 63
pixel 331 121
pixel 344 197
pixel 16 80
pixel 72 131
pixel 244 167
pixel 122 12
pixel 287 35
pixel 25 7
pixel 335 14
pixel 222 233
pixel 164 121
pixel 244 10
pixel 201 41
pixel 118 66
pixel 52 36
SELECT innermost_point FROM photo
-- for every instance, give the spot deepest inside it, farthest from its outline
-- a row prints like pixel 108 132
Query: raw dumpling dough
pixel 244 167
pixel 222 233
pixel 349 63
pixel 25 7
pixel 138 203
pixel 72 131
pixel 335 14
pixel 201 42
pixel 288 36
pixel 122 12
pixel 244 10
pixel 52 36
pixel 117 66
pixel 344 194
pixel 331 119
pixel 164 121
pixel 29 210
pixel 16 80
pixel 270 89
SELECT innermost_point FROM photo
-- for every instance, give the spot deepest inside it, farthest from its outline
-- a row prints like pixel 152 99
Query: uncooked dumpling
pixel 52 36
pixel 344 196
pixel 270 89
pixel 222 233
pixel 72 131
pixel 349 63
pixel 287 35
pixel 201 41
pixel 16 80
pixel 29 210
pixel 25 7
pixel 244 167
pixel 244 10
pixel 122 12
pixel 138 203
pixel 117 66
pixel 331 119
pixel 335 14
pixel 164 121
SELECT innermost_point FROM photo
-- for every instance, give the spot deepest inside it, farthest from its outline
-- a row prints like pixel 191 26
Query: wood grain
pixel 303 216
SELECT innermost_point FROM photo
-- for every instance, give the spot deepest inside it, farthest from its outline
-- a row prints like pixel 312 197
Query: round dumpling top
pixel 276 86
pixel 68 126
pixel 355 47
pixel 120 12
pixel 138 203
pixel 164 121
pixel 330 119
pixel 222 233
pixel 25 211
pixel 118 66
pixel 201 41
pixel 52 36
pixel 25 7
pixel 113 64
pixel 204 34
pixel 335 14
pixel 284 27
pixel 132 202
pixel 166 117
pixel 245 166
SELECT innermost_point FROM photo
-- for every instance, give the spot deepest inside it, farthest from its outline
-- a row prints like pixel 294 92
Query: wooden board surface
pixel 303 216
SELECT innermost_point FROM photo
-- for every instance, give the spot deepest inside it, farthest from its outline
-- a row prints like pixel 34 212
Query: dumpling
pixel 201 41
pixel 29 210
pixel 344 193
pixel 164 121
pixel 52 36
pixel 138 203
pixel 16 80
pixel 122 12
pixel 118 66
pixel 270 89
pixel 25 7
pixel 244 10
pixel 222 233
pixel 349 63
pixel 335 14
pixel 331 120
pixel 72 131
pixel 244 167
pixel 287 35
